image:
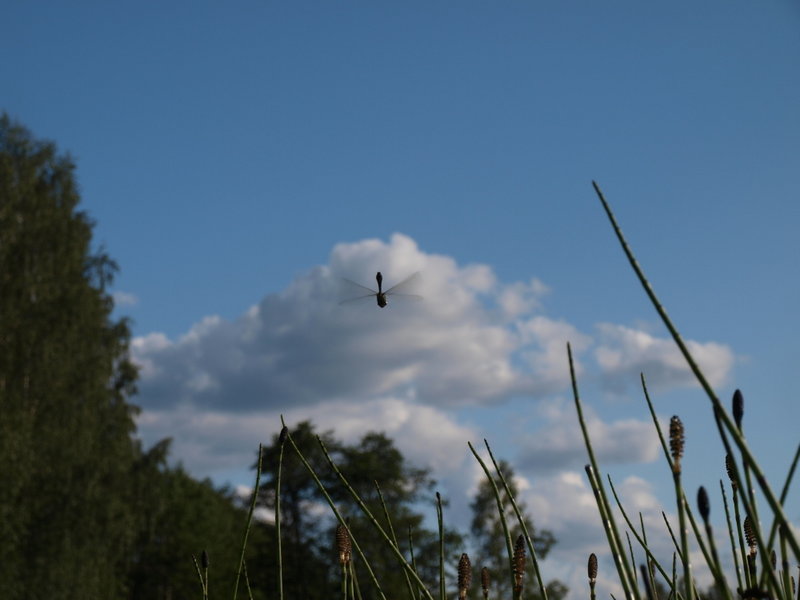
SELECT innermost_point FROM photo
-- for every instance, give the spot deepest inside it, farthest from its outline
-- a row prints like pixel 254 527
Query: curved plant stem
pixel 747 455
pixel 249 521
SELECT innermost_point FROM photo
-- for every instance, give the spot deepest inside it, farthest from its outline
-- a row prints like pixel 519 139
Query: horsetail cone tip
pixel 592 568
pixel 343 544
pixel 738 408
pixel 703 503
pixel 485 581
pixel 750 534
pixel 676 442
pixel 464 575
pixel 204 559
pixel 282 436
pixel 519 561
pixel 729 469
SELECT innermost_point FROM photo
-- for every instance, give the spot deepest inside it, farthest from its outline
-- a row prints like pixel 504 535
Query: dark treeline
pixel 86 511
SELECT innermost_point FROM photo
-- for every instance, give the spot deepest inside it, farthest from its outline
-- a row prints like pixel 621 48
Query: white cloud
pixel 558 442
pixel 124 299
pixel 301 347
pixel 624 353
pixel 471 341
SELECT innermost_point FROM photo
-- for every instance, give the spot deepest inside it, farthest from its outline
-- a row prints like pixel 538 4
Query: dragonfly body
pixel 381 295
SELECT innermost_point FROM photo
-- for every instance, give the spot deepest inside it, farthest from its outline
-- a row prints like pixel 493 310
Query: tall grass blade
pixel 747 455
pixel 520 520
pixel 501 511
pixel 249 521
pixel 624 569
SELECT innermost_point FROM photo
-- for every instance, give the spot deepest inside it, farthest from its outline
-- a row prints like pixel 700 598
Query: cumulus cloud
pixel 465 343
pixel 407 369
pixel 124 299
pixel 558 443
pixel 623 353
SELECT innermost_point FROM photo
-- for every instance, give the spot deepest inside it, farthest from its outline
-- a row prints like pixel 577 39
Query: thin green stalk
pixel 500 511
pixel 333 505
pixel 749 509
pixel 739 531
pixel 633 560
pixel 392 533
pixel 203 580
pixel 650 562
pixel 642 542
pixel 672 535
pixel 281 441
pixel 730 535
pixel 787 582
pixel 747 455
pixel 718 573
pixel 624 570
pixel 249 521
pixel 518 513
pixel 413 558
pixel 784 492
pixel 684 536
pixel 440 523
pixel 345 567
pixel 355 588
pixel 367 513
pixel 247 582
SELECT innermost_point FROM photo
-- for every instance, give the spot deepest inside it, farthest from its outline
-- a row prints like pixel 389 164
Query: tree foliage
pixel 308 531
pixel 65 432
pixel 84 511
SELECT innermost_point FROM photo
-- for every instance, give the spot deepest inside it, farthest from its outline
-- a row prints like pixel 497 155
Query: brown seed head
pixel 519 562
pixel 464 575
pixel 750 534
pixel 738 408
pixel 283 434
pixel 485 581
pixel 676 442
pixel 729 469
pixel 592 567
pixel 343 544
pixel 204 560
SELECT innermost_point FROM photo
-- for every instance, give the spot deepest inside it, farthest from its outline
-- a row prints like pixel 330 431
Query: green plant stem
pixel 333 505
pixel 440 523
pixel 716 568
pixel 249 522
pixel 750 510
pixel 624 570
pixel 278 520
pixel 203 582
pixel 684 536
pixel 642 542
pixel 392 533
pixel 367 513
pixel 784 492
pixel 521 520
pixel 730 535
pixel 500 511
pixel 747 455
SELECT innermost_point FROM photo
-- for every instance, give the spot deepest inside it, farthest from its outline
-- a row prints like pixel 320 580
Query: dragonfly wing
pixel 405 296
pixel 407 282
pixel 347 300
pixel 361 287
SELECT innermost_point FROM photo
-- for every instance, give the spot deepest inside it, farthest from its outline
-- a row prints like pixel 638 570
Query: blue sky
pixel 239 160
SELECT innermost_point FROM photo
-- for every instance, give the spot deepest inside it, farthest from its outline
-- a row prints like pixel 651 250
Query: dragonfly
pixel 381 295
